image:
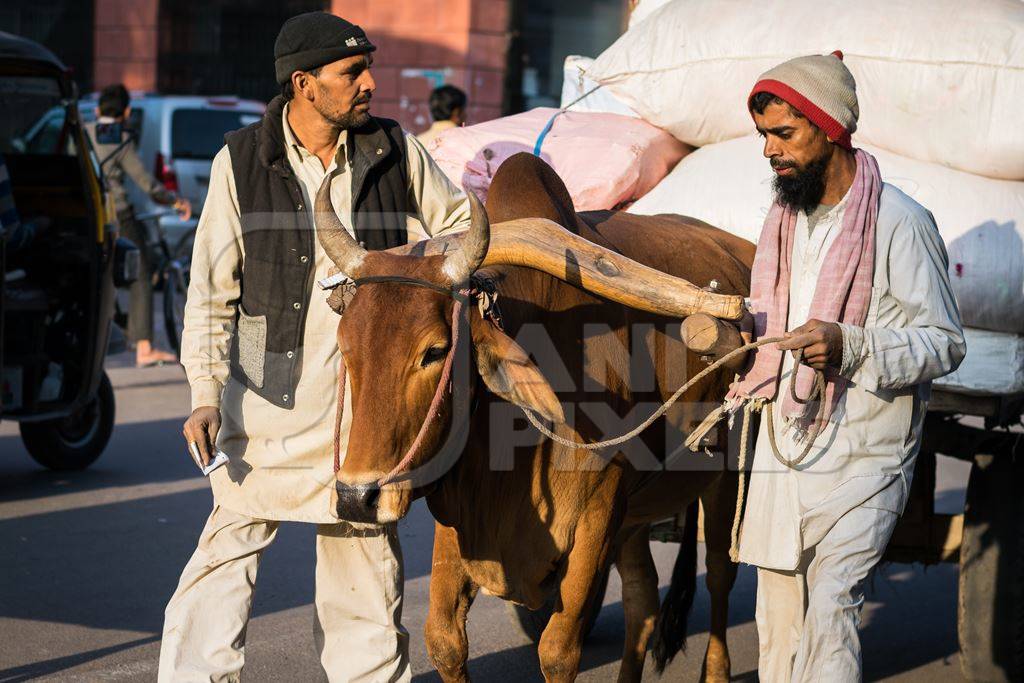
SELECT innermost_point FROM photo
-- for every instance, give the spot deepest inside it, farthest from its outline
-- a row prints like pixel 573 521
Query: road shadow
pixel 16 674
pixel 138 453
pixel 913 621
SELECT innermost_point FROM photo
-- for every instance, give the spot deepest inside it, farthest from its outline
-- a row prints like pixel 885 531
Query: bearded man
pixel 854 274
pixel 261 356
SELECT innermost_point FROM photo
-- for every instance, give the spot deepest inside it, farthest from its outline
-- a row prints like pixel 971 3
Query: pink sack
pixel 606 160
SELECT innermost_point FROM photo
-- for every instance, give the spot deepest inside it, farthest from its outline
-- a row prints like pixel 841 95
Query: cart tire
pixel 991 602
pixel 74 442
pixel 532 623
pixel 175 291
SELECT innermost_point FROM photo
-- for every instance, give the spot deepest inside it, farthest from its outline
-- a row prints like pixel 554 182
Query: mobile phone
pixel 220 459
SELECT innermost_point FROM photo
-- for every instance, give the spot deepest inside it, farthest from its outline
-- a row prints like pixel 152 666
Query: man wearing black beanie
pixel 261 356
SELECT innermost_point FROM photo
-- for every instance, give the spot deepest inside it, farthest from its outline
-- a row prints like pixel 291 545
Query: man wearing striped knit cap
pixel 854 274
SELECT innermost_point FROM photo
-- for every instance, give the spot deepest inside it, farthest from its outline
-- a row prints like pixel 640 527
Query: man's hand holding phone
pixel 200 431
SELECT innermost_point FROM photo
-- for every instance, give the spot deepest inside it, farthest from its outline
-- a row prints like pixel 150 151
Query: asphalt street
pixel 89 559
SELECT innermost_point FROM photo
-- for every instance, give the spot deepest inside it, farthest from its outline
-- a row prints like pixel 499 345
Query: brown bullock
pixel 524 521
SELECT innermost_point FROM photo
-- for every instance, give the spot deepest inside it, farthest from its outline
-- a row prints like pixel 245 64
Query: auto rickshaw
pixel 61 256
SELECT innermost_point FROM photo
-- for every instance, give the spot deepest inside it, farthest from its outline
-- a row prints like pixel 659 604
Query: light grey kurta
pixel 865 456
pixel 282 461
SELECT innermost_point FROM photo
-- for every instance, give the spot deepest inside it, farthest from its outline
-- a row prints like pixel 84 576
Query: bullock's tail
pixel 669 637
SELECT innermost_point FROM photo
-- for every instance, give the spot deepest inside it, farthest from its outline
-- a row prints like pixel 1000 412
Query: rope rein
pixel 480 289
pixel 435 403
pixel 741 492
pixel 432 412
pixel 750 406
pixel 597 445
pixel 714 417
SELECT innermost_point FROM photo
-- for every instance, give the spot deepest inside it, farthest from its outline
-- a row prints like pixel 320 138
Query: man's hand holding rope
pixel 822 343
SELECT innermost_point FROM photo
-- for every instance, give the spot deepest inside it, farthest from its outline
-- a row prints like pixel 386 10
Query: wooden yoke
pixel 546 246
pixel 711 338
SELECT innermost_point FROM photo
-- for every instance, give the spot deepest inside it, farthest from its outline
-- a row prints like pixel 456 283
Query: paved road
pixel 88 560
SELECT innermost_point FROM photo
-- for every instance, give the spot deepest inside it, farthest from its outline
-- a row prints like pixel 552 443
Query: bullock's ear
pixel 509 372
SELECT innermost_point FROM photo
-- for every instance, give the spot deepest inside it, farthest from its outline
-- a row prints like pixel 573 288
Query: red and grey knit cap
pixel 821 88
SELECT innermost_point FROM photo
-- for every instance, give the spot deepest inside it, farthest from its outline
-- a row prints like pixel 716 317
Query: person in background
pixel 118 159
pixel 448 109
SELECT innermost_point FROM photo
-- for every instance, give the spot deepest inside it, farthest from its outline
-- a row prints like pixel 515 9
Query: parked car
pixel 178 136
pixel 61 260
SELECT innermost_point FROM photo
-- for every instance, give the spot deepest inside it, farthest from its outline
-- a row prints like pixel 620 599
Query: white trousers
pixel 807 619
pixel 358 602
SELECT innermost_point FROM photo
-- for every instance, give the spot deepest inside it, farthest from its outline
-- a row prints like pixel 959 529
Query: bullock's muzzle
pixel 357 503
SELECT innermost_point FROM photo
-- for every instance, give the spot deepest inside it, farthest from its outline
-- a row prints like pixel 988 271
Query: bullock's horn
pixel 464 261
pixel 340 246
pixel 546 246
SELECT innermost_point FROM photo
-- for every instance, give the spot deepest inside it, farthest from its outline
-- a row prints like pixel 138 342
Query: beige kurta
pixel 865 456
pixel 282 461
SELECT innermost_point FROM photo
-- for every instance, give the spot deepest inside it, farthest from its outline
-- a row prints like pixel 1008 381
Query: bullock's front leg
pixel 561 643
pixel 451 594
pixel 719 502
pixel 639 601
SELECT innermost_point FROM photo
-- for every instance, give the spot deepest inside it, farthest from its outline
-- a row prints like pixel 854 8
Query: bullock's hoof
pixel 716 670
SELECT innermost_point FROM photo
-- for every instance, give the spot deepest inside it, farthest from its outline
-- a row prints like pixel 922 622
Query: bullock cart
pixel 986 538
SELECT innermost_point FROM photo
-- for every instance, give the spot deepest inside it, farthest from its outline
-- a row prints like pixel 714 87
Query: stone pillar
pixel 125 45
pixel 426 43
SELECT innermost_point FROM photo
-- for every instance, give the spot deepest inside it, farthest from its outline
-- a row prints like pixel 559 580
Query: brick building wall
pixel 421 44
pixel 425 43
pixel 125 43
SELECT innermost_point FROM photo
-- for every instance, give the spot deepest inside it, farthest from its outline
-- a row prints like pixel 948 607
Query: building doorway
pixel 544 33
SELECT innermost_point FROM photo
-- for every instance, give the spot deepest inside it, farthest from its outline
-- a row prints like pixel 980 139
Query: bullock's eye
pixel 433 355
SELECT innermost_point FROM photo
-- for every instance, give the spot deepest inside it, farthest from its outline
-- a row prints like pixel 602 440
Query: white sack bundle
pixel 994 365
pixel 577 84
pixel 644 9
pixel 981 220
pixel 940 81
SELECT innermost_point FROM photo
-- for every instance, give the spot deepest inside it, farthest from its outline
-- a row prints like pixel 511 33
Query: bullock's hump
pixel 525 186
pixel 679 245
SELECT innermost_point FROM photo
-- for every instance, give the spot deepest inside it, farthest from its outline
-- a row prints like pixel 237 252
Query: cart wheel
pixel 991 609
pixel 73 442
pixel 533 622
pixel 175 291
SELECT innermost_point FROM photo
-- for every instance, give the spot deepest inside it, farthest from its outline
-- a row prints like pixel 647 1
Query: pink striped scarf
pixel 842 293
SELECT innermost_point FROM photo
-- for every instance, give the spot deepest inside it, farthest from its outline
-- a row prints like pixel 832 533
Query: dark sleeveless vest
pixel 277 277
